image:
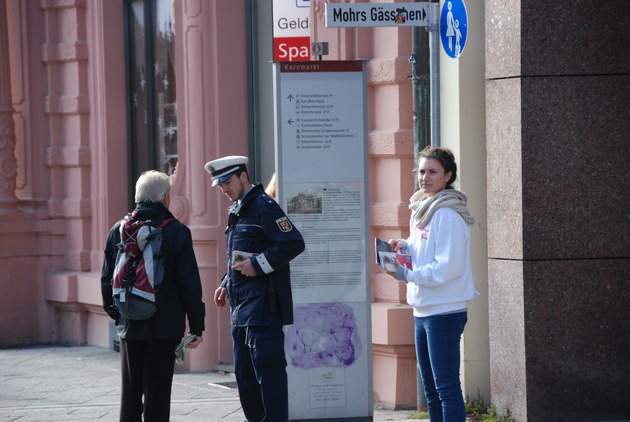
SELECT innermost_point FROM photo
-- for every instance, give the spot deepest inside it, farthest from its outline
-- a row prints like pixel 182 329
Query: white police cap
pixel 223 168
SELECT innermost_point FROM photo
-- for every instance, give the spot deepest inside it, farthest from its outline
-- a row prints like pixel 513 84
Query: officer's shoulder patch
pixel 284 224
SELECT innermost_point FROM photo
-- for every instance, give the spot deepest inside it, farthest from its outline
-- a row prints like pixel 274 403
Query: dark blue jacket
pixel 181 297
pixel 261 227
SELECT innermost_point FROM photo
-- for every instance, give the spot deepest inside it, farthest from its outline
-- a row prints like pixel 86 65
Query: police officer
pixel 258 288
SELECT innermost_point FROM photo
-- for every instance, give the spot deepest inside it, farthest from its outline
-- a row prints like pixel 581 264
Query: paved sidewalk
pixel 57 383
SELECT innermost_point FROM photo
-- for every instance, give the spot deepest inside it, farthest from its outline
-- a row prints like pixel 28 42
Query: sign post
pixel 321 164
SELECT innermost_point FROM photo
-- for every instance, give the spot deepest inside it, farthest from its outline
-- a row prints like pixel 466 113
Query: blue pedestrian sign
pixel 454 27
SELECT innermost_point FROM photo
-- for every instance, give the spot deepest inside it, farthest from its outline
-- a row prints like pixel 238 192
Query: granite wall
pixel 558 135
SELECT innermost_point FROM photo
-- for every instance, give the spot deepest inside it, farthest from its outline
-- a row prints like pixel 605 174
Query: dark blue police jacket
pixel 259 226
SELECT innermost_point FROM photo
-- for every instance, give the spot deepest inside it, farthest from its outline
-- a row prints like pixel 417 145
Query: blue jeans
pixel 437 350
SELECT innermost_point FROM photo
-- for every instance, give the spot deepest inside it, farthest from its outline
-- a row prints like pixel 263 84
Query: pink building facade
pixel 65 129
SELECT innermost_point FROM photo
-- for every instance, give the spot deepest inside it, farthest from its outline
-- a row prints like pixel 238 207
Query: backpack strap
pixel 160 224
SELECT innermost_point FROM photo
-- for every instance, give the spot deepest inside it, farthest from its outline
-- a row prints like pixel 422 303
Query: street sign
pixel 454 27
pixel 353 15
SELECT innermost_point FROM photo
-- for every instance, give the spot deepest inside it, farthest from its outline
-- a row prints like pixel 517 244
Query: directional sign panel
pixel 353 15
pixel 454 27
pixel 322 169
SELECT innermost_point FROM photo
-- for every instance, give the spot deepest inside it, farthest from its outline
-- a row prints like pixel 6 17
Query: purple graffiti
pixel 323 335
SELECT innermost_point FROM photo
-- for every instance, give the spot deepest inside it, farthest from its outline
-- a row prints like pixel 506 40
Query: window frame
pixel 142 155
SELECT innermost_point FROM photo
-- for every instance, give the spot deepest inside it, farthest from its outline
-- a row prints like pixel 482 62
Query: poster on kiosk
pixel 321 163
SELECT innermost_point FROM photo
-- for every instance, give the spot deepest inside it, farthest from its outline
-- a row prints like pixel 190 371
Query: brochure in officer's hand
pixel 386 257
pixel 239 256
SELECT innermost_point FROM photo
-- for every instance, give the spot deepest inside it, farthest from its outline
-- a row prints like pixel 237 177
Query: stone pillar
pixel 69 154
pixel 557 97
pixel 8 163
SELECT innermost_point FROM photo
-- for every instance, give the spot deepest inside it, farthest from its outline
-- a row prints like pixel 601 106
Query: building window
pixel 152 109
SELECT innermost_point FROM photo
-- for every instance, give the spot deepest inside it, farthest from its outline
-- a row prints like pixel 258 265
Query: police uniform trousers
pixel 147 371
pixel 260 369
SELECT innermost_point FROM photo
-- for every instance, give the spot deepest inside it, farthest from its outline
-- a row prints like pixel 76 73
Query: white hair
pixel 152 186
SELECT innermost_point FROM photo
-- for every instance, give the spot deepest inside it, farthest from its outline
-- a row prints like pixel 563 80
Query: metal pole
pixel 434 37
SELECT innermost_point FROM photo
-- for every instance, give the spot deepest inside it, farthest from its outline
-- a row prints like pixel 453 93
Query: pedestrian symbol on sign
pixel 454 27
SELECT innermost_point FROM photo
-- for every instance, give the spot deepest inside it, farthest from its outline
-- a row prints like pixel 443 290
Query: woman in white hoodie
pixel 440 283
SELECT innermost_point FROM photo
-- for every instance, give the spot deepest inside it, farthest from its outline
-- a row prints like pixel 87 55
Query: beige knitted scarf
pixel 422 207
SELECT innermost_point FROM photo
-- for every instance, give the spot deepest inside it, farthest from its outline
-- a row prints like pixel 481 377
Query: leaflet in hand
pixel 381 246
pixel 388 260
pixel 182 348
pixel 240 256
pixel 386 257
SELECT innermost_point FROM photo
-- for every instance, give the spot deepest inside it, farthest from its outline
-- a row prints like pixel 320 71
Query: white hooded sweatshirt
pixel 441 280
